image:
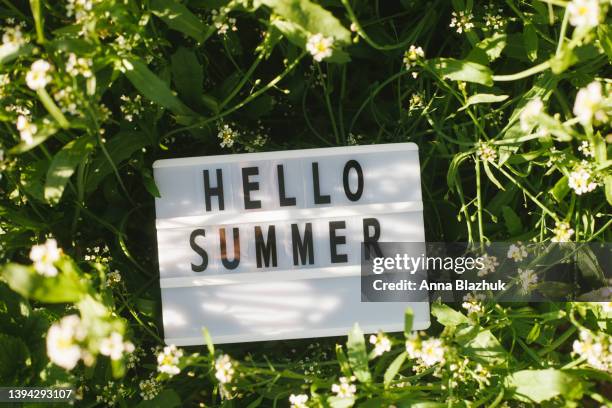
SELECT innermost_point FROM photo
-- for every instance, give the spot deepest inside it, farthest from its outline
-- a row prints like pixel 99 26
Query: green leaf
pixel 447 316
pixel 408 321
pixel 179 18
pixel 337 402
pixel 15 358
pixel 513 221
pixel 208 340
pixel 460 70
pixel 534 333
pixel 188 76
pixel 488 50
pixel 357 355
pixel 560 189
pixel 295 33
pixel 343 362
pixel 394 368
pixel 63 165
pixel 152 87
pixel 45 131
pixel 168 398
pixel 483 98
pixel 149 183
pixel 542 385
pixel 256 402
pixel 481 345
pixel 530 39
pixel 63 288
pixel 604 34
pixel 311 17
pixel 608 188
pixel 589 265
pixel 120 148
pixel 8 54
pixel 491 176
pixel 453 168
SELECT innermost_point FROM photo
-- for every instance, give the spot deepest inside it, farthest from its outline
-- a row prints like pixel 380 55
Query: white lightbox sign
pixel 267 246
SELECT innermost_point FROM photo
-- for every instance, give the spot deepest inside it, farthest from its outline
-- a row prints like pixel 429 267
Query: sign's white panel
pixel 267 246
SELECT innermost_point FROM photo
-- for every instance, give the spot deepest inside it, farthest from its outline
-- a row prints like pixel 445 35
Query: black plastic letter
pixel 213 191
pixel 233 264
pixel 302 248
pixel 352 164
pixel 265 249
pixel 370 242
pixel 335 240
pixel 248 186
pixel 199 250
pixel 318 198
pixel 284 201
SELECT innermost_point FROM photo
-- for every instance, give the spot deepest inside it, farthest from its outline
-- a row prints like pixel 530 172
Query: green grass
pixel 160 79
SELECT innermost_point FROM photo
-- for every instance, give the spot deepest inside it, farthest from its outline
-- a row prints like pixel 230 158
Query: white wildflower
pixel 416 102
pixel 606 307
pixel 489 264
pixel 530 113
pixel 131 107
pixel 583 13
pixel 319 46
pixel 586 149
pixel 596 349
pixel 413 54
pixel 168 360
pixel 44 256
pixel 224 369
pixel 79 66
pixel 224 26
pixel 462 21
pixel 432 352
pixel 298 401
pixel 527 279
pixel 227 135
pixel 581 180
pixel 26 129
pixel 472 303
pixel 67 100
pixel 38 75
pixel 428 352
pixel 413 345
pixel 114 346
pixel 149 388
pixel 589 104
pixel 562 231
pixel 517 252
pixel 112 279
pixel 486 152
pixel 79 9
pixel 12 40
pixel 494 18
pixel 345 388
pixel 381 343
pixel 62 346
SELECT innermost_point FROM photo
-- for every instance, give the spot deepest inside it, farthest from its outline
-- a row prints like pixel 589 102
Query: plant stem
pixel 244 79
pixel 330 110
pixel 479 201
pixel 523 74
pixel 52 108
pixel 527 193
pixel 563 30
pixel 38 22
pixel 247 100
